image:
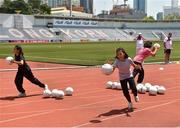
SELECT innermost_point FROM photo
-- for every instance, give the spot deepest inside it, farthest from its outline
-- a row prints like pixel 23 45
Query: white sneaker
pixel 136 98
pixel 130 106
pixel 22 94
pixel 46 87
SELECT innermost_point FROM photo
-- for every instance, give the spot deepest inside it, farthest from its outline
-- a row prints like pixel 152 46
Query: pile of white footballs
pixel 141 88
pixel 55 93
pixel 58 94
pixel 152 89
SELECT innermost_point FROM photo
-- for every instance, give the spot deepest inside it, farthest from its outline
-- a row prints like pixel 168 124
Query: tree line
pixel 28 8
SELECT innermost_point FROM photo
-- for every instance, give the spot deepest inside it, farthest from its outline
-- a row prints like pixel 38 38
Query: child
pixel 148 50
pixel 24 71
pixel 139 42
pixel 123 63
pixel 167 48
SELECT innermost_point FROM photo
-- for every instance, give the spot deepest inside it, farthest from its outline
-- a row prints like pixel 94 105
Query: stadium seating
pixel 34 29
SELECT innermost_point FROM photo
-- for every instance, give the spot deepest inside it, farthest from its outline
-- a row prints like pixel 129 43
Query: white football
pixel 161 90
pixel 119 86
pixel 107 69
pixel 153 91
pixel 47 93
pixel 114 85
pixel 54 92
pixel 9 59
pixel 109 84
pixel 59 94
pixel 139 87
pixel 147 85
pixel 69 91
pixel 157 45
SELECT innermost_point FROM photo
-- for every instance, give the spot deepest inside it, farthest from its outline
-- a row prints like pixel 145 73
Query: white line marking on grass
pixel 147 108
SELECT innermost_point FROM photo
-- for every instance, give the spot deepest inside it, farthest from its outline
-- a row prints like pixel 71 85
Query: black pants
pixel 140 72
pixel 125 88
pixel 27 73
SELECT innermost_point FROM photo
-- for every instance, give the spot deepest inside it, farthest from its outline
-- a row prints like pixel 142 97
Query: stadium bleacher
pixel 35 29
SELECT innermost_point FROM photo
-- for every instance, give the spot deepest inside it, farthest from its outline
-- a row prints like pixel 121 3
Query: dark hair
pixel 19 48
pixel 170 34
pixel 122 50
pixel 139 37
pixel 148 44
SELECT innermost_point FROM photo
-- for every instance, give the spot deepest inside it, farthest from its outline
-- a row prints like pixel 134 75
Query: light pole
pixel 70 8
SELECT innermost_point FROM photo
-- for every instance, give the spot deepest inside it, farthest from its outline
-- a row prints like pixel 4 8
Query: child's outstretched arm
pixel 154 51
pixel 144 39
pixel 18 62
pixel 111 62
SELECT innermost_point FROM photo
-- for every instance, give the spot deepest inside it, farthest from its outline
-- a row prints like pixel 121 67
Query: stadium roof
pixel 100 19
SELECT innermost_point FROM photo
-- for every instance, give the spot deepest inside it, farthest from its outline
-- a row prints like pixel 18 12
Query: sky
pixel 153 6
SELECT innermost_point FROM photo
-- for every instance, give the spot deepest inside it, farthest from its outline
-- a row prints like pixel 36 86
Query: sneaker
pixel 130 106
pixel 46 87
pixel 22 94
pixel 136 98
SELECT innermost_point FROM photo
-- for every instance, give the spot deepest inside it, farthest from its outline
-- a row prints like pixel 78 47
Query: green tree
pixel 6 3
pixel 5 8
pixel 31 7
pixel 45 9
pixel 149 18
pixel 35 4
pixel 172 17
pixel 17 5
pixel 21 5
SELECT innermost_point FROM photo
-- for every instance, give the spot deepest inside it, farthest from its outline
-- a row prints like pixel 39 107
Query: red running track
pixel 91 105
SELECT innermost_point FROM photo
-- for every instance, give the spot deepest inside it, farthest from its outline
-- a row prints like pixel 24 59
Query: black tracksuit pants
pixel 27 73
pixel 125 88
pixel 140 72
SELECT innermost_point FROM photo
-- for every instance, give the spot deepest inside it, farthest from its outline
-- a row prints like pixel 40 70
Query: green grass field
pixel 81 53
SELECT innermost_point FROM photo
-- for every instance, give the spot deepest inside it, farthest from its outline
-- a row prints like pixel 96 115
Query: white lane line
pixel 147 108
pixel 48 112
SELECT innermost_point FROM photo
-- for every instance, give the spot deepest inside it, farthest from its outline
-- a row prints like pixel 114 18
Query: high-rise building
pixel 91 3
pixel 76 2
pixel 88 5
pixel 174 3
pixel 1 2
pixel 140 5
pixel 174 9
pixel 54 3
pixel 160 16
pixel 57 3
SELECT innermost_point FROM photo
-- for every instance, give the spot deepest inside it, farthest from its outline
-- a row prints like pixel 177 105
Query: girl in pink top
pixel 145 52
